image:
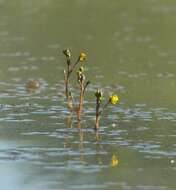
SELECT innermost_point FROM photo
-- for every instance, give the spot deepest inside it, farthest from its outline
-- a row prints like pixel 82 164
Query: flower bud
pixel 99 95
pixel 81 76
pixel 67 53
pixel 81 69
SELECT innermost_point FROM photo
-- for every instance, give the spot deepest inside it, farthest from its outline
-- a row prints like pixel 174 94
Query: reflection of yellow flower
pixel 82 56
pixel 114 161
pixel 113 99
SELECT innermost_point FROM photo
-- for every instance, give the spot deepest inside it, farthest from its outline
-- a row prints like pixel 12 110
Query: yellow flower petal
pixel 113 99
pixel 82 56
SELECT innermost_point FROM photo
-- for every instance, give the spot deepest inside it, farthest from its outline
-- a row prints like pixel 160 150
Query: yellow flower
pixel 113 99
pixel 114 161
pixel 82 56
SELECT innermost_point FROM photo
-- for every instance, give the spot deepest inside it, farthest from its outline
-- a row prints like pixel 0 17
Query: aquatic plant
pixel 113 99
pixel 82 85
pixel 67 73
pixel 81 79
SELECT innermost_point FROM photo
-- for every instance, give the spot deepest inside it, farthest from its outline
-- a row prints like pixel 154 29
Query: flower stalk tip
pixel 99 95
pixel 67 53
pixel 113 99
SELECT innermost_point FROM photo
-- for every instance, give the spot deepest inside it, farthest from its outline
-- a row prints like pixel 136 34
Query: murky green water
pixel 131 49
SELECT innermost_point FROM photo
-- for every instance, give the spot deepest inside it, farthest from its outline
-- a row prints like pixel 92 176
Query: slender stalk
pixel 97 119
pixel 73 67
pixel 66 78
pixel 99 110
pixel 81 99
pixel 85 86
pixel 103 108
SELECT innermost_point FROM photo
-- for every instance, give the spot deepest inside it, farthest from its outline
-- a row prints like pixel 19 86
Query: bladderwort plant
pixel 81 79
pixel 113 99
pixel 67 73
pixel 83 83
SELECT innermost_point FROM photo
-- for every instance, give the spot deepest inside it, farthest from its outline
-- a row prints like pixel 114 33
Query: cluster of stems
pixel 82 86
pixel 81 81
pixel 67 74
pixel 99 110
pixel 113 99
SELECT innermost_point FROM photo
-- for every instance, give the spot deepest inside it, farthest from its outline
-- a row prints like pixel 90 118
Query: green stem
pixel 73 67
pixel 66 76
pixel 85 86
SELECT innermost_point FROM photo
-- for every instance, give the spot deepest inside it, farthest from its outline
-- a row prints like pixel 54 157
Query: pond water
pixel 131 49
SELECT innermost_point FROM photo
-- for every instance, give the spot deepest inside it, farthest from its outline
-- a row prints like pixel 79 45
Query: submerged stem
pixel 81 99
pixel 97 119
pixel 66 77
